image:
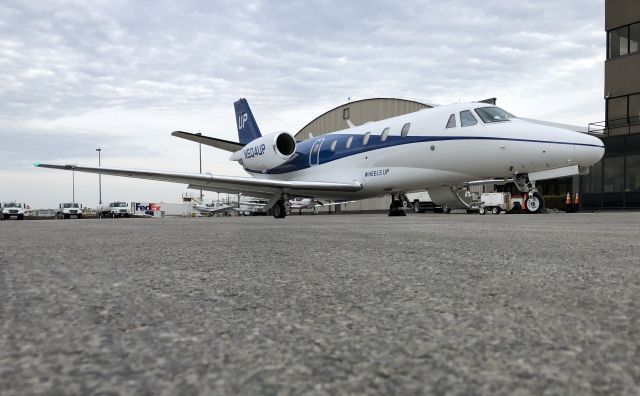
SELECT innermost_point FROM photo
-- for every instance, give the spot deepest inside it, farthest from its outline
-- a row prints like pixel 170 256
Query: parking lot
pixel 352 304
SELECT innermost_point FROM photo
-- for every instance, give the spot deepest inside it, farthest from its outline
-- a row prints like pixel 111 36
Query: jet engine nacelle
pixel 266 152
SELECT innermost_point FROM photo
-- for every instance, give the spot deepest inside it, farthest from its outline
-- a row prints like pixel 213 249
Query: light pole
pixel 200 158
pixel 99 178
pixel 73 188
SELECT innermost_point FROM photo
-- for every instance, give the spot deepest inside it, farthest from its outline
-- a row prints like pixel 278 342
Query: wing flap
pixel 235 183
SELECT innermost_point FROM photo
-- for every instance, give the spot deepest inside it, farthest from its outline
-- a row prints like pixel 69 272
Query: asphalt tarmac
pixel 322 305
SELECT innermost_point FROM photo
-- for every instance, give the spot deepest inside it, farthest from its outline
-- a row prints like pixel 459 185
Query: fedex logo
pixel 242 119
pixel 144 207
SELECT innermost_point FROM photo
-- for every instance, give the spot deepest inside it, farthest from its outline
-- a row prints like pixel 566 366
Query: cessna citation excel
pixel 444 149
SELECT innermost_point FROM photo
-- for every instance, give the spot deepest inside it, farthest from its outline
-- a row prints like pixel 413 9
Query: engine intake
pixel 266 152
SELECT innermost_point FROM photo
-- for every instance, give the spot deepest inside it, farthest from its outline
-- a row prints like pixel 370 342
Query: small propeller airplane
pixel 440 149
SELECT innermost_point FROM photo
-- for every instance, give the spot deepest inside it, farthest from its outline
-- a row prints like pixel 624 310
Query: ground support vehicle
pixel 113 210
pixel 13 210
pixel 69 210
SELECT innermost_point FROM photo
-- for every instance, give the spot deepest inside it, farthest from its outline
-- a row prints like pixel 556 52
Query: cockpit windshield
pixel 493 114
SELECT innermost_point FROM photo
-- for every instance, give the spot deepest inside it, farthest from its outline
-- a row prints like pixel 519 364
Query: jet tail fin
pixel 247 127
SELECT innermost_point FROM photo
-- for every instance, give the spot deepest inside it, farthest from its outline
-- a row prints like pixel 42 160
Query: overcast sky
pixel 120 75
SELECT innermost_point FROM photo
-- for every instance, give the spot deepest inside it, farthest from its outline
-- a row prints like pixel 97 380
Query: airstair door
pixel 314 154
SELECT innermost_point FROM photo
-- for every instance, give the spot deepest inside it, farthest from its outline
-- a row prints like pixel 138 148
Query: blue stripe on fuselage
pixel 300 159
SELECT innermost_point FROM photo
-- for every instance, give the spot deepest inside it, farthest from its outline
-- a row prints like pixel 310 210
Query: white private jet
pixel 298 203
pixel 212 208
pixel 440 149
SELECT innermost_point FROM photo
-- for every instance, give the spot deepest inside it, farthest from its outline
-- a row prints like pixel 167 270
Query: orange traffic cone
pixel 569 205
pixel 576 204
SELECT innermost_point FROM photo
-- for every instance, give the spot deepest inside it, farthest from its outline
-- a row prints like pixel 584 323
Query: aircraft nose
pixel 589 151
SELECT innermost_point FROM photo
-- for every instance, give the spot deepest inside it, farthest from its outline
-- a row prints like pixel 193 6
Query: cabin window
pixel 467 119
pixel 333 145
pixel 493 114
pixel 365 139
pixel 452 121
pixel 349 141
pixel 405 129
pixel 384 135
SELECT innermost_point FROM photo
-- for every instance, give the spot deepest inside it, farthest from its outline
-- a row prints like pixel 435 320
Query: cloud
pixel 63 62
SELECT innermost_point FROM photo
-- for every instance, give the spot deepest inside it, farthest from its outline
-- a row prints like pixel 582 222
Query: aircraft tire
pixel 535 203
pixel 279 211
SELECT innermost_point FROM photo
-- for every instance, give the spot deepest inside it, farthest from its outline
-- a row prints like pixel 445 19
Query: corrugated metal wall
pixel 359 112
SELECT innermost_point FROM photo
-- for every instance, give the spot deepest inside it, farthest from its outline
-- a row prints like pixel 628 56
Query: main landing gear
pixel 279 210
pixel 533 201
pixel 281 207
pixel 398 205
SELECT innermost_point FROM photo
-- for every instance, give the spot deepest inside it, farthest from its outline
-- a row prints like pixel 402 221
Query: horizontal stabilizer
pixel 209 141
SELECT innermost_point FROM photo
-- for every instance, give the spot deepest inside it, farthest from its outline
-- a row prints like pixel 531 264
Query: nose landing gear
pixel 534 202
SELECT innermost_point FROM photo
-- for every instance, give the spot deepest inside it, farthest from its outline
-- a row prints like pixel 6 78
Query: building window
pixel 593 182
pixel 452 121
pixel 634 109
pixel 365 139
pixel 617 115
pixel 384 135
pixel 467 119
pixel 405 129
pixel 619 42
pixel 346 114
pixel 349 141
pixel 632 170
pixel 624 40
pixel 634 38
pixel 612 174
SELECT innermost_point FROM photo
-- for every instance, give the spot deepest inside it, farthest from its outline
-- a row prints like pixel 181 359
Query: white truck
pixel 69 210
pixel 13 210
pixel 113 209
pixel 421 202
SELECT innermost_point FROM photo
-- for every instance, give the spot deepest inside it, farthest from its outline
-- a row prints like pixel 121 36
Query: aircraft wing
pixel 235 184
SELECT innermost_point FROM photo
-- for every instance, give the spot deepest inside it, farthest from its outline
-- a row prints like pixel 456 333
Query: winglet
pixel 36 164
